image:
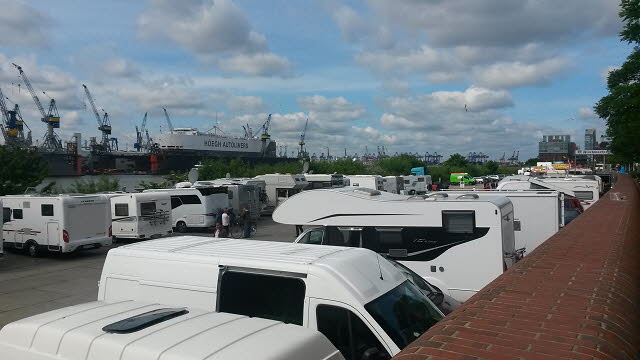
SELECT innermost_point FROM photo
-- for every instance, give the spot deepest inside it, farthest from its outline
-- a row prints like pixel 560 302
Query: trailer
pixel 393 184
pixel 416 184
pixel 240 197
pixel 324 181
pixel 585 190
pixel 445 240
pixel 195 207
pixel 538 214
pixel 280 187
pixel 140 215
pixel 261 185
pixel 56 223
pixel 366 181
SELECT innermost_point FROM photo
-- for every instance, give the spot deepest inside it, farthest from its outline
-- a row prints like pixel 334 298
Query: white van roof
pixel 358 269
pixel 76 333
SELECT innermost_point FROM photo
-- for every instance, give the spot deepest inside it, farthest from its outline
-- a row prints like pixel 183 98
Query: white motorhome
pixel 393 184
pixel 585 190
pixel 240 197
pixel 416 184
pixel 140 215
pixel 280 187
pixel 538 214
pixel 60 223
pixel 366 181
pixel 458 245
pixel 132 330
pixel 195 207
pixel 352 296
pixel 261 185
pixel 324 181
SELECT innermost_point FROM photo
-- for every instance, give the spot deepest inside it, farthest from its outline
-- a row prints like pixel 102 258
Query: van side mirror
pixel 375 354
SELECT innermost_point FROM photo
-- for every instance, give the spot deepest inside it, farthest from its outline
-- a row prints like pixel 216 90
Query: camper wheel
pixel 181 227
pixel 32 248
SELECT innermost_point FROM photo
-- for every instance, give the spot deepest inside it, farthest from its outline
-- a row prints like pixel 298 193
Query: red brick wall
pixel 577 296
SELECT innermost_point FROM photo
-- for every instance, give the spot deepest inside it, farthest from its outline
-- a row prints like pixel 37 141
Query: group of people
pixel 227 218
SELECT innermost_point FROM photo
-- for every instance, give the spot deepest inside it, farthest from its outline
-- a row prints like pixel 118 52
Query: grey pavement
pixel 29 286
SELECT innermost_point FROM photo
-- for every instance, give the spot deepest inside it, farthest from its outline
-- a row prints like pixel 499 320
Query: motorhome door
pixel 53 234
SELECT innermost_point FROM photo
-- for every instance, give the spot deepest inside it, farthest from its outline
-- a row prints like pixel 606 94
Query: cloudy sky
pixel 365 73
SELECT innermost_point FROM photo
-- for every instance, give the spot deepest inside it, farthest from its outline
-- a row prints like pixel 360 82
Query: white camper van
pixel 60 223
pixel 393 184
pixel 352 296
pixel 445 240
pixel 416 184
pixel 280 187
pixel 195 207
pixel 324 181
pixel 240 197
pixel 366 181
pixel 537 214
pixel 585 190
pixel 131 330
pixel 259 184
pixel 140 215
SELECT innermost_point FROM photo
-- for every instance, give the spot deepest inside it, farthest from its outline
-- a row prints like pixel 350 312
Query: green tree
pixel 620 108
pixel 531 162
pixel 91 186
pixel 456 160
pixel 20 170
pixel 491 167
pixel 399 165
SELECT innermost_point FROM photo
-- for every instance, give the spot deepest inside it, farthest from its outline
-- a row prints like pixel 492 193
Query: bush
pixel 21 169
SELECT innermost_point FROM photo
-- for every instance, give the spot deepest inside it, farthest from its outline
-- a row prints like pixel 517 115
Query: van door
pixel 348 331
pixel 53 234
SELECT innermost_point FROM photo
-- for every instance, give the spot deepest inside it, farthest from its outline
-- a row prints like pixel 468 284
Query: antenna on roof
pixel 379 268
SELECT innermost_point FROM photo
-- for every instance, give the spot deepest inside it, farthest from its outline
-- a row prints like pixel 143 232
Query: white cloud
pixel 604 74
pixel 22 25
pixel 258 64
pixel 474 98
pixel 121 68
pixel 587 113
pixel 217 31
pixel 245 104
pixel 517 74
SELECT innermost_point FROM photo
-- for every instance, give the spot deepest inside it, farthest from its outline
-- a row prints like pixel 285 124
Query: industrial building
pixel 556 148
pixel 590 142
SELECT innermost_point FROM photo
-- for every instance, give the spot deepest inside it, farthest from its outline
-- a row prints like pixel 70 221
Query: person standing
pixel 245 215
pixel 226 220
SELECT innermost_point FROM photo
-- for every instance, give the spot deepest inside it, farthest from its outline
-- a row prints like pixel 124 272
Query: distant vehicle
pixel 195 207
pixel 587 190
pixel 416 184
pixel 418 171
pixel 393 184
pixel 259 184
pixel 457 178
pixel 374 182
pixel 479 179
pixel 140 215
pixel 280 187
pixel 324 181
pixel 440 237
pixel 57 223
pixel 352 296
pixel 240 197
pixel 132 330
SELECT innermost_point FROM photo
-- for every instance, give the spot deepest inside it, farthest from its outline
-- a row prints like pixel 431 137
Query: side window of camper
pixel 238 290
pixel 46 209
pixel 190 199
pixel 122 209
pixel 459 221
pixel 282 193
pixel 147 208
pixel 584 195
pixel 175 202
pixel 420 179
pixel 230 195
pixel 17 213
pixel 407 182
pixel 312 237
pixel 6 214
pixel 348 333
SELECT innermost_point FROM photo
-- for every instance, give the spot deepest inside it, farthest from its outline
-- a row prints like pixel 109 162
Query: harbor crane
pixel 265 134
pixel 302 153
pixel 51 140
pixel 514 157
pixel 104 125
pixel 166 115
pixel 141 143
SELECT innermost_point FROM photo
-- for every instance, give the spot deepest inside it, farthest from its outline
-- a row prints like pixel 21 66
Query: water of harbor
pixel 126 182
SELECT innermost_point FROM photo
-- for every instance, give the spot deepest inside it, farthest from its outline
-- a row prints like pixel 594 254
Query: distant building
pixel 556 148
pixel 590 142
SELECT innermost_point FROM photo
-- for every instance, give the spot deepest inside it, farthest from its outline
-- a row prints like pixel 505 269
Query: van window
pixel 17 213
pixel 175 202
pixel 190 199
pixel 212 190
pixel 312 237
pixel 230 195
pixel 584 195
pixel 420 179
pixel 348 333
pixel 122 209
pixel 6 214
pixel 459 221
pixel 282 193
pixel 407 182
pixel 238 291
pixel 147 208
pixel 46 209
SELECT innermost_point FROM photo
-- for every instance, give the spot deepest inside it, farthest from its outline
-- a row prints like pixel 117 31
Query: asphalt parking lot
pixel 29 286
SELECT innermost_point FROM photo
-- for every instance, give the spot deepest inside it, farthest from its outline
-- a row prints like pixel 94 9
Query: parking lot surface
pixel 29 286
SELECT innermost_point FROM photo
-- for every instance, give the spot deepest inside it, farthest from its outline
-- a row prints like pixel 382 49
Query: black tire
pixel 181 227
pixel 235 231
pixel 31 248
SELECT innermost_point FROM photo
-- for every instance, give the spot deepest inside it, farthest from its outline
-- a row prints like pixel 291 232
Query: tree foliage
pixel 621 107
pixel 531 162
pixel 20 170
pixel 456 160
pixel 92 186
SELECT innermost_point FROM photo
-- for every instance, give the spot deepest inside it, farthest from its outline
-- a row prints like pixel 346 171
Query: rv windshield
pixel 404 313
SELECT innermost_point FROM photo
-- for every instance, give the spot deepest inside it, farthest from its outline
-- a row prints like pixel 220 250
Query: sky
pixel 442 76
